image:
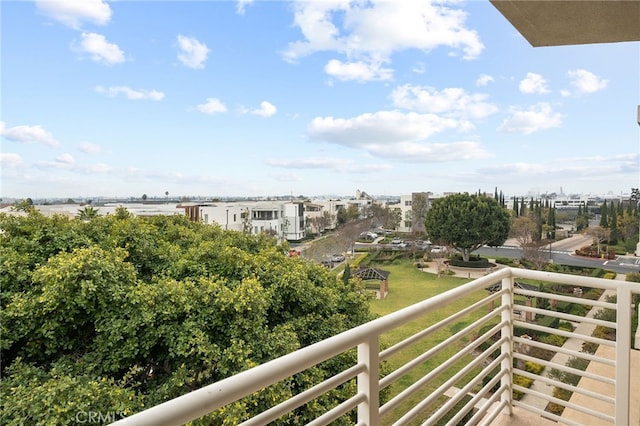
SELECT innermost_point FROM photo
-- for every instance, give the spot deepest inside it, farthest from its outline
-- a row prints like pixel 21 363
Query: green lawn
pixel 408 285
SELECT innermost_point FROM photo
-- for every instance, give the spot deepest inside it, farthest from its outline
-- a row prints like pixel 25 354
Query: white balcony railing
pixel 480 370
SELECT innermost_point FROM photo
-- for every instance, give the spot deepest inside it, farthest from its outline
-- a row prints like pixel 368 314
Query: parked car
pixel 337 258
pixel 396 241
pixel 438 249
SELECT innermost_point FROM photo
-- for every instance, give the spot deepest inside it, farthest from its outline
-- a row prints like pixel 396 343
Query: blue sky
pixel 253 98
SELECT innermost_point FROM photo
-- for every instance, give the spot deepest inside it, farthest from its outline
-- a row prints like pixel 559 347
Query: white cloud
pixel 453 102
pixel 535 118
pixel 484 80
pixel 193 54
pixel 287 177
pixel 97 168
pixel 586 82
pixel 533 83
pixel 358 71
pixel 10 160
pixel 26 134
pixel 212 106
pixel 100 49
pixel 310 163
pixel 112 91
pixel 90 148
pixel 266 109
pixel 66 159
pixel 338 164
pixel 370 32
pixel 241 6
pixel 73 13
pixel 419 68
pixel 429 152
pixel 379 127
pixel 394 134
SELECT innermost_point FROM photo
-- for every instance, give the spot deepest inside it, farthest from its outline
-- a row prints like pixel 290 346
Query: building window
pixel 407 203
pixel 206 218
pixel 234 217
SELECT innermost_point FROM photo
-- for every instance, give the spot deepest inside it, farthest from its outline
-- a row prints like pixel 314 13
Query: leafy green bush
pixel 120 312
pixel 533 367
pixel 553 339
pixel 609 276
pixel 633 277
pixel 566 326
pixel 475 261
pixel 525 382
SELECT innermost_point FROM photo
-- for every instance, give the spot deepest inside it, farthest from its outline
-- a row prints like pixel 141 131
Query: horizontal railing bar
pixel 568 317
pixel 478 397
pixel 434 417
pixel 575 371
pixel 387 353
pixel 546 414
pixel 563 298
pixel 564 333
pixel 575 280
pixel 306 396
pixel 404 369
pixel 440 390
pixel 566 404
pixel 400 397
pixel 563 385
pixel 562 350
pixel 339 410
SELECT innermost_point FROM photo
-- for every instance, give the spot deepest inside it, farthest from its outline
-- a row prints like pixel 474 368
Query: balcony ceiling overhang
pixel 565 22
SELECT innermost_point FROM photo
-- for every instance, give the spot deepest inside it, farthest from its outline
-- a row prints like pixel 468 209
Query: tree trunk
pixel 466 252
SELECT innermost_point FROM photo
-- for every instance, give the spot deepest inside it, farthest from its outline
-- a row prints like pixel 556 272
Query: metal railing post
pixel 507 347
pixel 369 382
pixel 623 355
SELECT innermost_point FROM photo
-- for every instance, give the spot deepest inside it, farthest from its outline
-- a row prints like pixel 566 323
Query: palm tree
pixel 88 213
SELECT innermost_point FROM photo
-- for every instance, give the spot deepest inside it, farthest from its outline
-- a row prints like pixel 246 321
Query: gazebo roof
pixel 371 274
pixel 517 284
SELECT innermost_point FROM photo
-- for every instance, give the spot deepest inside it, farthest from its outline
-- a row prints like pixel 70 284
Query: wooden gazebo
pixel 366 274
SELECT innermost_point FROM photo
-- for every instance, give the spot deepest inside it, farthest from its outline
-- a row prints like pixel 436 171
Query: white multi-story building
pixel 406 208
pixel 284 220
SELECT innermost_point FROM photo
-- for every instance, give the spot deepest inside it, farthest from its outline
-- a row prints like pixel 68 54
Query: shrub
pixel 609 276
pixel 633 277
pixel 566 326
pixel 474 262
pixel 553 339
pixel 533 367
pixel 525 382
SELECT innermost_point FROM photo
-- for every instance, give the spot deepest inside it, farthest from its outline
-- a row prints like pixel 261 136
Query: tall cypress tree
pixel 515 206
pixel 551 221
pixel 613 226
pixel 604 221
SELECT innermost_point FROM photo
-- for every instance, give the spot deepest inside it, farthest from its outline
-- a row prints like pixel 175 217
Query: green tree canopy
pixel 120 312
pixel 467 222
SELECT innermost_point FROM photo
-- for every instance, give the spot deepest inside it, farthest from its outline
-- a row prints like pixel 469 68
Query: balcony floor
pixel 521 417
